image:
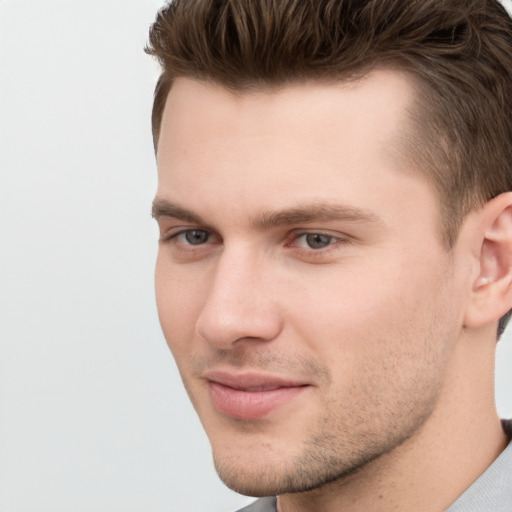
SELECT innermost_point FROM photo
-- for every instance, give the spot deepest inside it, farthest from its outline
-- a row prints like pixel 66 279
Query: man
pixel 336 245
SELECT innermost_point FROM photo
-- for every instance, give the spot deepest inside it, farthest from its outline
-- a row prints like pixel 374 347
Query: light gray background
pixel 93 417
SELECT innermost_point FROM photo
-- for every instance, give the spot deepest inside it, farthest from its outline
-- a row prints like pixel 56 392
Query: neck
pixel 431 469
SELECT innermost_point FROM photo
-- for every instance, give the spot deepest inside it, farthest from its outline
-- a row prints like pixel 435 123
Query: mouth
pixel 251 396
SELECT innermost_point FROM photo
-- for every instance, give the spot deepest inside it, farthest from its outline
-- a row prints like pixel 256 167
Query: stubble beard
pixel 344 441
pixel 383 407
pixel 331 456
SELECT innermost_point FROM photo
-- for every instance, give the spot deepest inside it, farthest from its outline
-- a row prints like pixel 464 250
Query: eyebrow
pixel 315 212
pixel 308 213
pixel 164 208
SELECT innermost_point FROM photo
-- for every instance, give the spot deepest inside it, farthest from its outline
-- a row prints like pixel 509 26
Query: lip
pixel 251 396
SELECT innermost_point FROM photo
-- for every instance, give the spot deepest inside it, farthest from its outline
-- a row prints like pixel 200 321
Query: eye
pixel 193 236
pixel 315 241
pixel 189 244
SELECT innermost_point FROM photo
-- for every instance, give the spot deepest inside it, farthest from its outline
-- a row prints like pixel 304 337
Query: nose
pixel 239 306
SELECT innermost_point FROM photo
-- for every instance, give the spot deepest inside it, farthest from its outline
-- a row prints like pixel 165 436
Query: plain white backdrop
pixel 93 417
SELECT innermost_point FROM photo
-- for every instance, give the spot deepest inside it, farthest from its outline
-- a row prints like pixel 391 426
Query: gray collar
pixel 491 492
pixel 493 489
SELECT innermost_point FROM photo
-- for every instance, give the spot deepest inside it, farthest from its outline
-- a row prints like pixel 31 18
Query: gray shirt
pixel 492 491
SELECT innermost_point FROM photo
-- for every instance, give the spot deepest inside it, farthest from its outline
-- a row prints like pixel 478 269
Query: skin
pixel 298 244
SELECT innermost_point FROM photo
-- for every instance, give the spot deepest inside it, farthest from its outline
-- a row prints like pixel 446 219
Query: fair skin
pixel 337 355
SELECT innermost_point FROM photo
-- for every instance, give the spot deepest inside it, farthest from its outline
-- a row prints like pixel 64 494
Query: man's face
pixel 301 283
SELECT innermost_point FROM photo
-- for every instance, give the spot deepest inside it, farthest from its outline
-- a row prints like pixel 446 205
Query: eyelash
pixel 173 237
pixel 331 240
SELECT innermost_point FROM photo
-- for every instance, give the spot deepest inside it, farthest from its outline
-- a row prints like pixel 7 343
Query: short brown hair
pixel 458 52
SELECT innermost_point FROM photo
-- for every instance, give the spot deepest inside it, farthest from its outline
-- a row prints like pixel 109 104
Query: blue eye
pixel 317 240
pixel 195 236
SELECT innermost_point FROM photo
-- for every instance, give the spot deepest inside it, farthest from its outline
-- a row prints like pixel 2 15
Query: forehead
pixel 315 141
pixel 382 97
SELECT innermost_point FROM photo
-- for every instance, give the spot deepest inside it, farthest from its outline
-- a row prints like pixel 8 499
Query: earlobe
pixel 491 295
pixel 482 281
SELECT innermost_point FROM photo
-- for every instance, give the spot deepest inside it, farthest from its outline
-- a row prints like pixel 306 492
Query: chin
pixel 261 476
pixel 262 468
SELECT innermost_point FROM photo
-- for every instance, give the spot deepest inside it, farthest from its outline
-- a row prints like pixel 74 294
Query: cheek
pixel 365 310
pixel 179 302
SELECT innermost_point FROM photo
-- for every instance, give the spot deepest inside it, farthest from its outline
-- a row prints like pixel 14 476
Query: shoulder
pixel 261 505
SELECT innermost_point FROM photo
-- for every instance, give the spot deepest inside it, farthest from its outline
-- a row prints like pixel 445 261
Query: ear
pixel 491 295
